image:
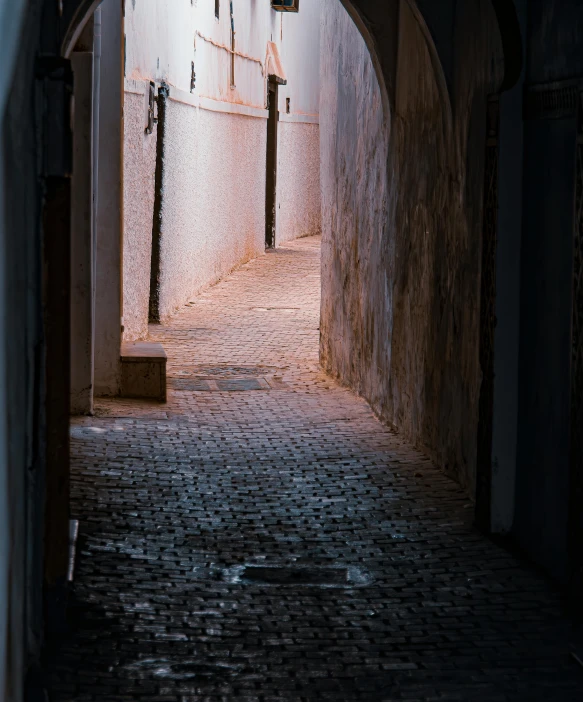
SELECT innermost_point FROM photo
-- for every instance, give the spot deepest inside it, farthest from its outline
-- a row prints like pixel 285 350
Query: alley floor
pixel 262 537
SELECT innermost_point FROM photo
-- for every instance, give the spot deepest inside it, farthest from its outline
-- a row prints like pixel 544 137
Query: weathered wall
pixel 405 262
pixel 356 317
pixel 298 38
pixel 138 193
pixel 213 216
pixel 108 282
pixel 299 209
pixel 82 239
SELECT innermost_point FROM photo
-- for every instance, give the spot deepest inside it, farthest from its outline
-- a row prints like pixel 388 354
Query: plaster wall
pixel 213 216
pixel 164 37
pixel 299 207
pixel 542 491
pixel 299 45
pixel 108 302
pixel 402 228
pixel 138 192
pixel 554 40
pixel 438 160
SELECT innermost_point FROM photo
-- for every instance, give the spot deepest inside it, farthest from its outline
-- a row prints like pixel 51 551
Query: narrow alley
pixel 263 537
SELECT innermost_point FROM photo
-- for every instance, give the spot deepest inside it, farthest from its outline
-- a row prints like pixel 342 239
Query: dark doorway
pixel 271 168
pixel 545 484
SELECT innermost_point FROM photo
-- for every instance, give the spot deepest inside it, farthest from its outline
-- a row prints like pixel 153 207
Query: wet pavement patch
pixel 298 575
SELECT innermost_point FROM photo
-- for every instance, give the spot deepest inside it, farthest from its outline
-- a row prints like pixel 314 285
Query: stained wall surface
pixel 213 197
pixel 402 228
pixel 138 193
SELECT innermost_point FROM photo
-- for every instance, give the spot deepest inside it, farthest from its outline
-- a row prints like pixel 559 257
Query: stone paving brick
pixel 175 500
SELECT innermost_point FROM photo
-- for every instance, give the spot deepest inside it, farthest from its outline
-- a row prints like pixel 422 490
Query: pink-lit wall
pixel 298 181
pixel 213 216
pixel 213 194
pixel 139 170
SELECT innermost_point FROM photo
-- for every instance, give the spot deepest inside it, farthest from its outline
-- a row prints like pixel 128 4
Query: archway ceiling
pixel 437 18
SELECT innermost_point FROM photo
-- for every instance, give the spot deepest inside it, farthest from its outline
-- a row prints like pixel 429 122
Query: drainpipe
pixel 154 314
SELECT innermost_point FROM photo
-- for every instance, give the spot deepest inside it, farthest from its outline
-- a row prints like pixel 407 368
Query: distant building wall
pixel 213 195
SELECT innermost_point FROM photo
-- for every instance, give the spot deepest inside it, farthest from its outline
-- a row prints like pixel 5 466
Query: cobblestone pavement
pixel 263 537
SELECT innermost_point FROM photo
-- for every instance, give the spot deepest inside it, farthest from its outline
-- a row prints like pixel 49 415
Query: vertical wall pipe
pixel 154 314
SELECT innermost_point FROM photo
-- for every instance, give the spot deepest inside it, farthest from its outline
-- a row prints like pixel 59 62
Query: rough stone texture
pixel 174 503
pixel 299 207
pixel 139 170
pixel 402 228
pixel 213 216
pixel 356 292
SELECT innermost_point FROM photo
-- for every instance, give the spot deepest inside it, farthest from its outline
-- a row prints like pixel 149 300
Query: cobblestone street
pixel 262 537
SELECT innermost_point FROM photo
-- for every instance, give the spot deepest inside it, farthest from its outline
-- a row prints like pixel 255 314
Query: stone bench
pixel 143 370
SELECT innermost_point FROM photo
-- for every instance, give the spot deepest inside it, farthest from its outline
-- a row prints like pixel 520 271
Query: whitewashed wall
pixel 213 216
pixel 298 174
pixel 299 211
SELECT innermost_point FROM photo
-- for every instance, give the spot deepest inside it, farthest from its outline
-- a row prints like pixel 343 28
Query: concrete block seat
pixel 143 370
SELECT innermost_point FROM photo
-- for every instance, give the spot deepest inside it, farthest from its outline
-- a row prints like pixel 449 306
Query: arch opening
pixel 243 445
